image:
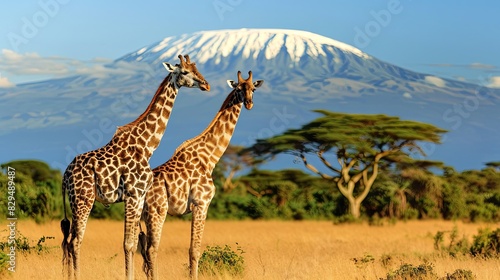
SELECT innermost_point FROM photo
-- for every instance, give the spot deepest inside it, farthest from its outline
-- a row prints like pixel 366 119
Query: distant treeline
pixel 412 193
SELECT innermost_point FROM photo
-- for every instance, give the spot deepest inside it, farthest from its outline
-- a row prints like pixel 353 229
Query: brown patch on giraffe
pixel 122 154
pixel 218 131
pixel 204 157
pixel 155 141
pixel 182 158
pixel 224 141
pixel 105 172
pixel 151 118
pixel 77 177
pixel 147 133
pixel 141 142
pixel 206 196
pixel 162 122
pixel 131 164
pixel 184 176
pixel 218 153
pixel 203 180
pixel 179 181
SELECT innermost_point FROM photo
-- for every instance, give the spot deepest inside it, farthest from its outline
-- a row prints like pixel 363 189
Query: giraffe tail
pixel 143 244
pixel 65 228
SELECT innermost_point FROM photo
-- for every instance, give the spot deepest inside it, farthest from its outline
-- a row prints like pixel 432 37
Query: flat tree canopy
pixel 358 141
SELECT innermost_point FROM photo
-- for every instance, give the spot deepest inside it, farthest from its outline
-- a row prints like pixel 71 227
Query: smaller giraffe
pixel 184 183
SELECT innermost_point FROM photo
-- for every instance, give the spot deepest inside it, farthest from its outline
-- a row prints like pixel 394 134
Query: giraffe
pixel 184 183
pixel 120 171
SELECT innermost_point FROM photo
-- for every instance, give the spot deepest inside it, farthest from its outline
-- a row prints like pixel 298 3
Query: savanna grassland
pixel 272 249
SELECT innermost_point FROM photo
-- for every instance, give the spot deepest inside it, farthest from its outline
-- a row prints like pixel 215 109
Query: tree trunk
pixel 355 208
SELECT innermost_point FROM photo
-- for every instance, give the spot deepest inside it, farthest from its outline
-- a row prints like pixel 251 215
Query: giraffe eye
pixel 184 72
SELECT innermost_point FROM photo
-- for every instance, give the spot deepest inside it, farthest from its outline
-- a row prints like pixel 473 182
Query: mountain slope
pixel 288 55
pixel 54 120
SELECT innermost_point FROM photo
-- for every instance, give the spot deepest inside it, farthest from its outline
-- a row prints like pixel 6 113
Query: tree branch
pixel 256 193
pixel 367 184
pixel 327 163
pixel 228 183
pixel 342 189
pixel 314 169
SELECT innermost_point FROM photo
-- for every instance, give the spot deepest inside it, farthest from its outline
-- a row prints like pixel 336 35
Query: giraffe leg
pixel 153 214
pixel 82 198
pixel 197 227
pixel 77 232
pixel 133 210
pixel 131 236
pixel 154 229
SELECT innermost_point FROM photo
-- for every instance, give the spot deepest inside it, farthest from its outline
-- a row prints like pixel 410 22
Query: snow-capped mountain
pixel 309 59
pixel 302 71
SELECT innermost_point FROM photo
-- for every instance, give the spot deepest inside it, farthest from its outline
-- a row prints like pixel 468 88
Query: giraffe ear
pixel 169 67
pixel 232 84
pixel 258 83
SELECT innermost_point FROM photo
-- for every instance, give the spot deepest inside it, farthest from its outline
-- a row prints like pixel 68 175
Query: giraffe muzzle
pixel 248 104
pixel 205 87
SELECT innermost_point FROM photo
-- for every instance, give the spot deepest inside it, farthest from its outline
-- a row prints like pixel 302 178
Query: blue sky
pixel 457 39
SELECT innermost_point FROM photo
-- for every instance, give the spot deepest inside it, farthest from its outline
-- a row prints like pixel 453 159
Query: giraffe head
pixel 187 74
pixel 245 88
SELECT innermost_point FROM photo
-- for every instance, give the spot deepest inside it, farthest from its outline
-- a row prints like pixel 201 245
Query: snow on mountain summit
pixel 295 59
pixel 246 43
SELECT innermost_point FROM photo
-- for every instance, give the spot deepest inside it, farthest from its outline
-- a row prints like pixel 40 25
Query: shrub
pixel 454 204
pixel 455 247
pixel 218 261
pixel 410 272
pixel 23 244
pixel 486 244
pixel 4 261
pixel 460 274
pixel 363 261
pixel 386 260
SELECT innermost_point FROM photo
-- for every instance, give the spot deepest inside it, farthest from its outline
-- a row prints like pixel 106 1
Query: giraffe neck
pixel 216 137
pixel 147 130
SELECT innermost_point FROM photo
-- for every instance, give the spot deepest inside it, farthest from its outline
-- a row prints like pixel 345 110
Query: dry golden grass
pixel 273 249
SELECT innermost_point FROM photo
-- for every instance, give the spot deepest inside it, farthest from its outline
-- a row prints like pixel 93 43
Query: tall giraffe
pixel 120 171
pixel 184 183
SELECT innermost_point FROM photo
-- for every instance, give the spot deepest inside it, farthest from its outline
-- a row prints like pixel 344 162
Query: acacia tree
pixel 360 144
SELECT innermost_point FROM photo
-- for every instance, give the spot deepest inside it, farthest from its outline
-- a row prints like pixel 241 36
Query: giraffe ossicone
pixel 184 183
pixel 120 171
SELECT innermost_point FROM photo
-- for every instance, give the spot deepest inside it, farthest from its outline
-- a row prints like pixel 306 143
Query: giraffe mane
pixel 132 124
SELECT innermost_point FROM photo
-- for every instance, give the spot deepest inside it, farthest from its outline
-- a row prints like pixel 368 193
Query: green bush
pixel 460 274
pixel 454 204
pixel 4 262
pixel 23 244
pixel 456 247
pixel 363 261
pixel 409 272
pixel 486 244
pixel 219 261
